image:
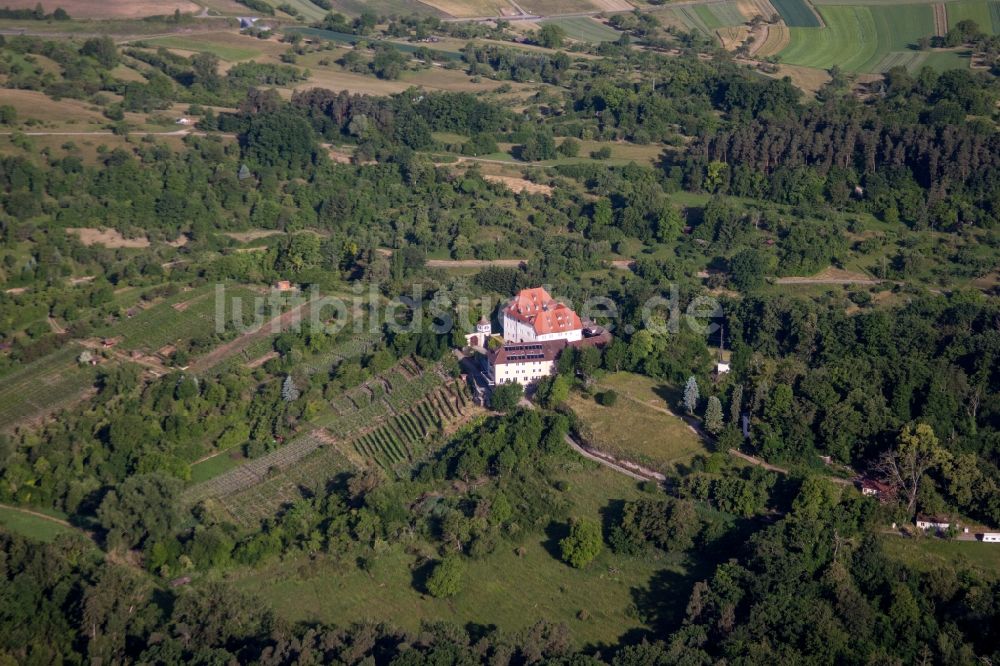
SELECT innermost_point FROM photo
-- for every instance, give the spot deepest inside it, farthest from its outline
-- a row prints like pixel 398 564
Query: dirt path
pixel 631 469
pixel 831 275
pixel 224 351
pixel 695 426
pixel 56 327
pixel 803 280
pixel 37 514
pixel 940 20
pixel 52 519
pixel 474 263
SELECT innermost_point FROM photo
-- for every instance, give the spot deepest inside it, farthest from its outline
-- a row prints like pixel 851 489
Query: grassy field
pixel 227 45
pixel 64 115
pixel 910 60
pixel 307 10
pixel 986 13
pixel 652 436
pixel 929 553
pixel 502 589
pixel 859 39
pixel 796 13
pixel 100 9
pixel 44 385
pixel 468 8
pixel 386 7
pixel 547 7
pixel 727 13
pixel 584 29
pixel 31 526
pixel 216 465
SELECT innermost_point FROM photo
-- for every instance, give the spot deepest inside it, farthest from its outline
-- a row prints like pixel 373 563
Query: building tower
pixel 484 328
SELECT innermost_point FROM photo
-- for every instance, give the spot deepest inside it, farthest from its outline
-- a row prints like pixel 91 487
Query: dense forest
pixel 754 181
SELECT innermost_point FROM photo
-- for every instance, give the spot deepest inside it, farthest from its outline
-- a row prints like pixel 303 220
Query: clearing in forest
pixel 33 524
pixel 519 184
pixel 109 238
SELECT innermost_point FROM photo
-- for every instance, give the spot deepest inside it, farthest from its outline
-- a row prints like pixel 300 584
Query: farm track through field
pixel 940 19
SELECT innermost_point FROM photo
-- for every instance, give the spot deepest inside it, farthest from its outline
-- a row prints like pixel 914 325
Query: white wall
pixel 515 330
pixel 522 373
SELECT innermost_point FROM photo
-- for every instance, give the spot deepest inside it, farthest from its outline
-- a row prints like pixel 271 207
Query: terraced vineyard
pixel 389 422
pixel 251 505
pixel 403 438
pixel 392 391
pixel 257 470
pixel 354 347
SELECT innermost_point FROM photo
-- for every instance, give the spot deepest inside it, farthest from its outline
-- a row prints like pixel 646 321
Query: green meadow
pixel 30 525
pixel 861 38
pixel 511 588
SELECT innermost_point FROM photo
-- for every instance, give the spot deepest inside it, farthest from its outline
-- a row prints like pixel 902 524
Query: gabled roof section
pixel 527 352
pixel 546 315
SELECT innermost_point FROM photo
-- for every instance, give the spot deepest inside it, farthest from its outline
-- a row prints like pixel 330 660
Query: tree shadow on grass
pixel 670 395
pixel 611 515
pixel 420 573
pixel 554 533
pixel 662 603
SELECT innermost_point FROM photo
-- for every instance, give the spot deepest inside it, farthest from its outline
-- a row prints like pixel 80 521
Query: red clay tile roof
pixel 546 315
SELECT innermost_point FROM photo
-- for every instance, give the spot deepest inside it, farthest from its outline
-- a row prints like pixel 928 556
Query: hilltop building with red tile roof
pixel 536 330
pixel 534 316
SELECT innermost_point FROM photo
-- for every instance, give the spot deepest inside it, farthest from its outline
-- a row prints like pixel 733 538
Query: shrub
pixel 582 545
pixel 446 579
pixel 607 398
pixel 506 396
pixel 570 147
